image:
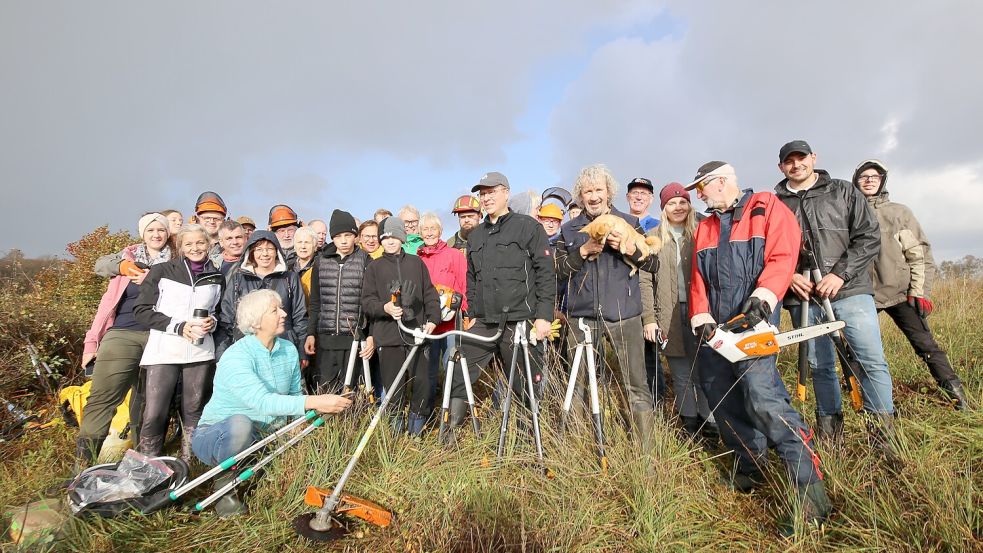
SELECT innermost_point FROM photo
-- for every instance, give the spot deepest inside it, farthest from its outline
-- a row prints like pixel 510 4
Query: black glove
pixel 755 310
pixel 705 331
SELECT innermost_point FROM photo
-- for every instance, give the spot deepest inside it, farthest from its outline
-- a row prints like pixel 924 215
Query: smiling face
pixel 411 222
pixel 391 245
pixel 155 236
pixel 176 221
pixel 639 200
pixel 430 234
pixel 594 197
pixel 870 182
pixel 799 168
pixel 677 209
pixel 369 238
pixel 194 246
pixel 211 220
pixel 550 225
pixel 264 256
pixel 233 241
pixel 494 200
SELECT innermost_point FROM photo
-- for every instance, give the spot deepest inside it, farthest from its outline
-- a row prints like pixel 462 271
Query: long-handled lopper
pixel 587 346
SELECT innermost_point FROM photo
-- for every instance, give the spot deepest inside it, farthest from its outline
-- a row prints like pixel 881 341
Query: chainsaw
pixel 737 341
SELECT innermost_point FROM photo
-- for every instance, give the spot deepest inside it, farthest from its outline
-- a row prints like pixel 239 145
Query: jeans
pixel 863 332
pixel 217 442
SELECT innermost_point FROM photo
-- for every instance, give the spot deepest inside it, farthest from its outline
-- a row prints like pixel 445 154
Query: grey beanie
pixel 392 227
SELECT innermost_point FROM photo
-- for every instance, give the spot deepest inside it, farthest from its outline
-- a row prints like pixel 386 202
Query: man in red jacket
pixel 745 254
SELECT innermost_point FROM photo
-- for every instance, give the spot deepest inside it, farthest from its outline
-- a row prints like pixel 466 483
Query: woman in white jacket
pixel 180 344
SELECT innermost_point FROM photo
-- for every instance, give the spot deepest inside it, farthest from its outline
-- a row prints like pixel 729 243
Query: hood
pixel 875 164
pixel 431 250
pixel 281 259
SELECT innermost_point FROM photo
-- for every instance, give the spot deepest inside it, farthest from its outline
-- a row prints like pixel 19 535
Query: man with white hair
pixel 321 230
pixel 745 254
pixel 411 221
pixel 604 291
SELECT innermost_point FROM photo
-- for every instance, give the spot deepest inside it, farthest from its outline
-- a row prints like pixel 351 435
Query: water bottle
pixel 199 315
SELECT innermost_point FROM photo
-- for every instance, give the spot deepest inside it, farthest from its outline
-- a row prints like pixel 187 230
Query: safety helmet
pixel 466 203
pixel 281 215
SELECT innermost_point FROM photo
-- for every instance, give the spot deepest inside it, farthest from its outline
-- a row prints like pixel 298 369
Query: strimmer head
pixel 334 530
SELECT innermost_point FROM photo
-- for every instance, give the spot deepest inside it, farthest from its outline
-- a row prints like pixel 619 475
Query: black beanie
pixel 341 221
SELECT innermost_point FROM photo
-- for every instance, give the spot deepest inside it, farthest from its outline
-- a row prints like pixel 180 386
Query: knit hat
pixel 210 201
pixel 282 216
pixel 341 221
pixel 670 191
pixel 392 227
pixel 150 218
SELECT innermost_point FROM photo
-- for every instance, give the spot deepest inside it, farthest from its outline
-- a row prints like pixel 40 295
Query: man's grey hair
pixel 592 174
pixel 409 209
pixel 229 225
pixel 252 307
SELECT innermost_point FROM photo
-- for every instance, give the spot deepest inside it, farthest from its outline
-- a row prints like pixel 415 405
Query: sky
pixel 112 109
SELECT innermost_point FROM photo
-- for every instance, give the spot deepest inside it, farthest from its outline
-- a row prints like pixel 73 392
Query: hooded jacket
pixel 168 297
pixel 904 267
pixel 419 299
pixel 243 279
pixel 605 280
pixel 336 297
pixel 842 229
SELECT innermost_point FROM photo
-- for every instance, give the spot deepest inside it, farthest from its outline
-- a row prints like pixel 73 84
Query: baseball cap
pixel 795 146
pixel 642 182
pixel 710 169
pixel 282 216
pixel 466 203
pixel 551 211
pixel 491 180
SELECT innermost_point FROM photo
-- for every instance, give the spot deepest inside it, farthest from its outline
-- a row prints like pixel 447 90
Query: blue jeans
pixel 863 331
pixel 215 443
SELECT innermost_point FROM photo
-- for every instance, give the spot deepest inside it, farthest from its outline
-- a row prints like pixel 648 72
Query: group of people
pixel 250 326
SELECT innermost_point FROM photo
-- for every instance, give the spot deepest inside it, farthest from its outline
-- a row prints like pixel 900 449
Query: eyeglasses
pixel 489 191
pixel 211 219
pixel 640 193
pixel 706 182
pixel 869 178
pixel 265 250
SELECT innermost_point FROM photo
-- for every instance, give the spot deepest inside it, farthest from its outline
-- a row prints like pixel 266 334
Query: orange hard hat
pixel 551 211
pixel 281 216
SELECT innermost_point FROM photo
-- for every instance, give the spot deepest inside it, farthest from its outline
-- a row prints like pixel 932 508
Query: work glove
pixel 922 306
pixel 755 310
pixel 705 331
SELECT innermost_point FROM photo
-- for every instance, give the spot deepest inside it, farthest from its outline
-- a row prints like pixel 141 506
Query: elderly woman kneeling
pixel 257 383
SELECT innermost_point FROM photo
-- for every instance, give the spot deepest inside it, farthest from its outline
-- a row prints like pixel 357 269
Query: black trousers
pixel 918 333
pixel 481 354
pixel 417 378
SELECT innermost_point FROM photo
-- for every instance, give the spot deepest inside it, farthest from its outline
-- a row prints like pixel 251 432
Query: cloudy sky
pixel 116 108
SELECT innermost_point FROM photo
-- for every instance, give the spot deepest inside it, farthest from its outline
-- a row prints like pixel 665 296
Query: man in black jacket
pixel 602 287
pixel 842 232
pixel 511 278
pixel 336 318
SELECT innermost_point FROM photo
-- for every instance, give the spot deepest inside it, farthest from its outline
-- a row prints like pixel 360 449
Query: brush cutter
pixel 322 526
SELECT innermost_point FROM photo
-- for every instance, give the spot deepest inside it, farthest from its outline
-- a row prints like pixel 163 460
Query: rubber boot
pixel 229 505
pixel 416 424
pixel 644 429
pixel 814 508
pixel 953 389
pixel 880 429
pixel 398 423
pixel 151 445
pixel 458 411
pixel 186 455
pixel 746 483
pixel 829 429
pixel 86 453
pixel 691 426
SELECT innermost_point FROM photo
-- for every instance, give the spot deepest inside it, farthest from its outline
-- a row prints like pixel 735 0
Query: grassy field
pixel 462 500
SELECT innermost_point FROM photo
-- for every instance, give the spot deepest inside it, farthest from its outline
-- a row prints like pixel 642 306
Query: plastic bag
pixel 135 475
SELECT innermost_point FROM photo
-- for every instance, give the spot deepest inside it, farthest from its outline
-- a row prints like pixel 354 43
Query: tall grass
pixel 465 500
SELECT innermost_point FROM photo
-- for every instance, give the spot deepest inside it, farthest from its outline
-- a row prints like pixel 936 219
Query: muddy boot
pixel 86 453
pixel 814 509
pixel 151 445
pixel 880 432
pixel 186 454
pixel 691 426
pixel 953 389
pixel 229 505
pixel 829 429
pixel 643 423
pixel 458 411
pixel 745 483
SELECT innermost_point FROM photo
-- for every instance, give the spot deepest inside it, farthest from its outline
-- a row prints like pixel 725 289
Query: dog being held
pixel 600 228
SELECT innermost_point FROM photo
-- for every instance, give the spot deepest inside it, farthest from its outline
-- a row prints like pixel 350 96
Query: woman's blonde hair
pixel 188 229
pixel 689 225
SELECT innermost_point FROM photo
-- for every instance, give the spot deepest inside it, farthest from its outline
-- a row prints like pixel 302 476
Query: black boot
pixel 814 509
pixel 229 505
pixel 953 389
pixel 458 410
pixel 880 431
pixel 691 426
pixel 829 429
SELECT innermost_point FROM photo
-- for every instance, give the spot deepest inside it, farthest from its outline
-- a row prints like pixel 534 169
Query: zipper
pixel 337 305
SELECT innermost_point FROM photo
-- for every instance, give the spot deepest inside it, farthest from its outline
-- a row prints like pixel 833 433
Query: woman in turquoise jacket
pixel 257 387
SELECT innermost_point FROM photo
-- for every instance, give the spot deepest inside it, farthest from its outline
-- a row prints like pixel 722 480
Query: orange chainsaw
pixel 736 341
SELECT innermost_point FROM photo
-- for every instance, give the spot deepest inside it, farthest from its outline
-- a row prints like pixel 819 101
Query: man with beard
pixel 468 212
pixel 284 223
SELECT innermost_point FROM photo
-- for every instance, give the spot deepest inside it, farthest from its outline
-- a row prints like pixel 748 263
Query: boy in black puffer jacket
pixel 418 307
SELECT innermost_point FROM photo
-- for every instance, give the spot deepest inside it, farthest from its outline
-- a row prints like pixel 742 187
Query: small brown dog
pixel 601 227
